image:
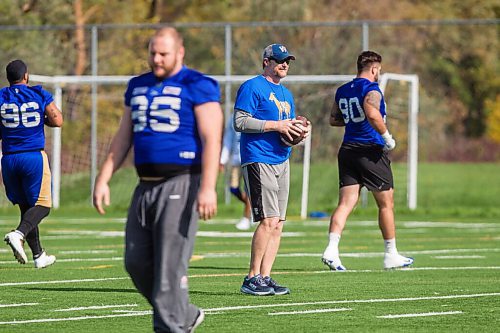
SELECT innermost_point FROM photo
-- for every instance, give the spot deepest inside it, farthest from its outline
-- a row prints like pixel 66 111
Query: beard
pixel 163 71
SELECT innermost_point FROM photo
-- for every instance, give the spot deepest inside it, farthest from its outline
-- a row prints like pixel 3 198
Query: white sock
pixel 334 239
pixel 390 246
pixel 332 250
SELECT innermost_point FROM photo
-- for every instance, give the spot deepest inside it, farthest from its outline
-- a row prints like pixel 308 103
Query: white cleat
pixel 395 260
pixel 44 260
pixel 243 224
pixel 16 241
pixel 334 265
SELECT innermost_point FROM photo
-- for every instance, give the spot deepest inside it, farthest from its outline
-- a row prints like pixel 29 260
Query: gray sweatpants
pixel 159 239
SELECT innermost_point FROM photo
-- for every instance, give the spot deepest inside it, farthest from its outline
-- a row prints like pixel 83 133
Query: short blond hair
pixel 169 31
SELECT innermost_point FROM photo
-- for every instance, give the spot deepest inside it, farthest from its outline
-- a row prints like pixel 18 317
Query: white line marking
pixel 96 307
pixel 46 320
pixel 73 260
pixel 427 314
pixel 16 305
pixel 459 257
pixel 308 311
pixel 241 234
pixel 209 311
pixel 87 252
pixel 8 284
pixel 376 300
pixel 352 254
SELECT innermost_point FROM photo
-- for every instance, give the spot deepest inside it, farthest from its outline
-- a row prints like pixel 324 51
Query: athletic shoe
pixel 243 224
pixel 197 322
pixel 256 286
pixel 334 265
pixel 16 242
pixel 395 260
pixel 278 290
pixel 44 260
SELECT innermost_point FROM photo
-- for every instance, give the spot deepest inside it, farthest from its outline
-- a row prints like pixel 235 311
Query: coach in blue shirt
pixel 265 110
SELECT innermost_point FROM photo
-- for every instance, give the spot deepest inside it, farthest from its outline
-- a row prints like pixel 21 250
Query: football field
pixel 453 286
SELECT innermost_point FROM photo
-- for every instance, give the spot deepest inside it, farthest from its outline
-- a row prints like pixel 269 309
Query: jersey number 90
pixel 351 110
pixel 13 115
pixel 140 105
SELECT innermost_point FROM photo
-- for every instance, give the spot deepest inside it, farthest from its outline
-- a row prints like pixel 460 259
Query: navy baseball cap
pixel 278 52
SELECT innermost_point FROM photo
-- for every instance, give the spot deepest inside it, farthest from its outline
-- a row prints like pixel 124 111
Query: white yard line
pixel 72 260
pixel 427 314
pixel 354 254
pixel 16 305
pixel 87 252
pixel 375 300
pixel 459 257
pixel 47 320
pixel 233 308
pixel 308 311
pixel 96 307
pixel 9 284
pixel 194 276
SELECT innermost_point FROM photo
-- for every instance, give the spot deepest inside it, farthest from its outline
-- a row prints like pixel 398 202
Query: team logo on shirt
pixel 283 106
pixel 169 90
pixel 139 90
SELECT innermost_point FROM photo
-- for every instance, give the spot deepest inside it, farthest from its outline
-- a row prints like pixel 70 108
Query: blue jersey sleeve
pixel 45 95
pixel 246 98
pixel 204 90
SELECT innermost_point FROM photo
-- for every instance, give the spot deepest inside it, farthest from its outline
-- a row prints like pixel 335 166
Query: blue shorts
pixel 27 178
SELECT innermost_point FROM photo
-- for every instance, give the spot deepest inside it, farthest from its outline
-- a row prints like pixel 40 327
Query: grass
pixel 454 236
pixel 445 190
pixel 456 277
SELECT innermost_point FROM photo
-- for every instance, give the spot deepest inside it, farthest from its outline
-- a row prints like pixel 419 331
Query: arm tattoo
pixel 373 98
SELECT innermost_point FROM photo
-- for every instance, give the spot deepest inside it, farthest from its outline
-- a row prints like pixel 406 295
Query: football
pixel 295 138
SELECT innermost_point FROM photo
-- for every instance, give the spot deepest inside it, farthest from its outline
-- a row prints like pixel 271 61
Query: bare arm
pixel 336 118
pixel 120 145
pixel 210 123
pixel 53 116
pixel 371 105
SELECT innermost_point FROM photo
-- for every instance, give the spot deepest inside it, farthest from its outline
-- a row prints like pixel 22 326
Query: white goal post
pixel 59 82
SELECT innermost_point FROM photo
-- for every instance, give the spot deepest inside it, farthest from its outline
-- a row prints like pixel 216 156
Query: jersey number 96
pixel 13 115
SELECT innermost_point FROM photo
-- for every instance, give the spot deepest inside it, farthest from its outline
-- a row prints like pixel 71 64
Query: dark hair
pixel 366 59
pixel 15 71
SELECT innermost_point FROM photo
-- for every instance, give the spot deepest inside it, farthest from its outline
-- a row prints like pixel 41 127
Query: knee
pixel 272 225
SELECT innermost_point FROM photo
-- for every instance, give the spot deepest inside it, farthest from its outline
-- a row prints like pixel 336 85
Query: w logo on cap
pixel 283 49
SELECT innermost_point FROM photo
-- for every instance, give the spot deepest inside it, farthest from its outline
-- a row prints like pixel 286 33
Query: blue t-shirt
pixel 162 111
pixel 266 101
pixel 23 111
pixel 349 98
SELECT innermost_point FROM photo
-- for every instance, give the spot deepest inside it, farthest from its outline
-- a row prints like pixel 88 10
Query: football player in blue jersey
pixel 25 167
pixel 264 110
pixel 174 121
pixel 230 155
pixel 363 159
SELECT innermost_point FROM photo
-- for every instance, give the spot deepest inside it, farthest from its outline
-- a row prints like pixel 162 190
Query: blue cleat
pixel 278 290
pixel 256 286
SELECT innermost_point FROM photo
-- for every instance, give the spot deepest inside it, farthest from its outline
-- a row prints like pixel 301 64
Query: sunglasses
pixel 287 60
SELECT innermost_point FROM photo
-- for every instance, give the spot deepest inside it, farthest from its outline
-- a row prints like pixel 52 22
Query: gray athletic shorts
pixel 267 187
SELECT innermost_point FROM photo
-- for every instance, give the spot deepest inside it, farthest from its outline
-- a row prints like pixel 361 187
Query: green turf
pixel 456 268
